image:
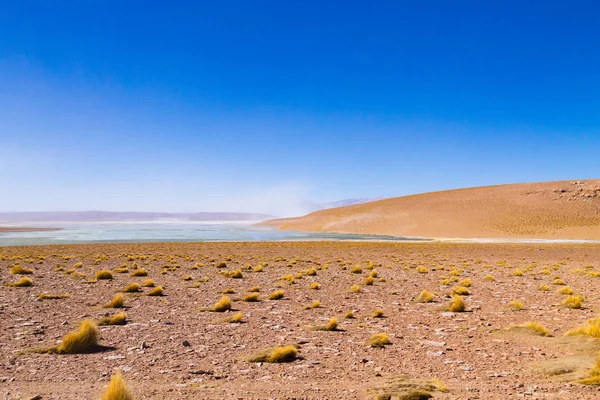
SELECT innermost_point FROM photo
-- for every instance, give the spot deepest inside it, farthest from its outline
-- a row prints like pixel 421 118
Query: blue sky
pixel 261 105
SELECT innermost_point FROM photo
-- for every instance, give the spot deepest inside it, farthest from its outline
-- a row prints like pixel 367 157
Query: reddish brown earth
pixel 470 352
pixel 547 210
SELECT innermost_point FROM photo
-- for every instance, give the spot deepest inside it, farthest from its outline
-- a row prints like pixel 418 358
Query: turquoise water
pixel 165 232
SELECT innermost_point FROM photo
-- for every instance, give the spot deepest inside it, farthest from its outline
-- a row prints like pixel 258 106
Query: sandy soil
pixel 24 229
pixel 171 349
pixel 548 210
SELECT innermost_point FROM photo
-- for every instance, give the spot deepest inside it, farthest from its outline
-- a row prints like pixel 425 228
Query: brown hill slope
pixel 552 210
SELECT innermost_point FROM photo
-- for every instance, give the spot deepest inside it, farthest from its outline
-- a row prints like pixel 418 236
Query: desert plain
pixel 178 346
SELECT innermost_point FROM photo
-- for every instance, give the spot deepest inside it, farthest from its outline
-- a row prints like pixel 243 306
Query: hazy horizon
pixel 268 107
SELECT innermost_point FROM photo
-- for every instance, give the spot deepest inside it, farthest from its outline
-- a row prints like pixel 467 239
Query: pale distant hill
pixel 560 210
pixel 107 216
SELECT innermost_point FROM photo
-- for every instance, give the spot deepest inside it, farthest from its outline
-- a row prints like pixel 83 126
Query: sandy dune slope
pixel 560 210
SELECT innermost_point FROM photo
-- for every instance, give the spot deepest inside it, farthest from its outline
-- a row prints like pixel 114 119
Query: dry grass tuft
pixel 45 296
pixel 461 291
pixel 254 289
pixel 331 326
pixel 157 291
pixel 315 286
pixel 534 326
pixel 589 328
pixel 117 319
pixel 573 302
pixel 104 274
pixel 23 282
pixel 379 340
pixel 116 302
pixel 378 313
pixel 489 278
pixel 356 270
pixel 355 289
pixel 565 290
pixel 140 272
pixel 457 304
pixel 252 297
pixel 544 287
pixel 349 315
pixel 148 283
pixel 235 318
pixel 515 305
pixel 132 288
pixel 369 281
pixel 117 389
pixel 424 297
pixel 276 355
pixel 82 340
pixel 19 270
pixel 224 304
pixel 277 295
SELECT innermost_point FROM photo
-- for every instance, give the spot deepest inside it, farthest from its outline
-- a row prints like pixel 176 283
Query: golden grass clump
pixel 489 278
pixel 315 304
pixel 157 291
pixel 461 291
pixel 148 283
pixel 117 319
pixel 565 290
pixel 349 315
pixel 378 313
pixel 315 286
pixel 422 270
pixel 457 304
pixel 355 289
pixel 537 328
pixel 589 328
pixel 573 301
pixel 544 287
pixel 140 272
pixel 465 283
pixel 236 274
pixel 276 355
pixel 517 272
pixel 424 297
pixel 46 296
pixel 254 289
pixel 228 291
pixel 379 340
pixel 235 318
pixel 132 288
pixel 116 302
pixel 251 297
pixel 117 389
pixel 331 326
pixel 19 270
pixel 356 270
pixel 594 375
pixel 224 304
pixel 82 340
pixel 515 305
pixel 277 295
pixel 258 268
pixel 23 282
pixel 104 274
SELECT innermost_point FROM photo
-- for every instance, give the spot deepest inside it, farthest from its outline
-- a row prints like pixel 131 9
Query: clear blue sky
pixel 260 105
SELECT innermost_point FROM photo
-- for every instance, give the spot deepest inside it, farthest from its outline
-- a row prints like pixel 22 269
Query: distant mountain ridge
pixel 110 216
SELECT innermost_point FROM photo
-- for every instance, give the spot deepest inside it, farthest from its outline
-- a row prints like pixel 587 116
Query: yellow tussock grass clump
pixel 254 289
pixel 132 288
pixel 19 270
pixel 235 318
pixel 315 304
pixel 589 328
pixel 515 305
pixel 378 313
pixel 573 301
pixel 140 272
pixel 148 283
pixel 104 274
pixel 544 287
pixel 315 286
pixel 23 282
pixel 379 340
pixel 369 281
pixel 461 291
pixel 277 295
pixel 457 304
pixel 45 296
pixel 534 326
pixel 224 304
pixel 517 272
pixel 355 288
pixel 356 270
pixel 465 283
pixel 331 326
pixel 236 274
pixel 276 355
pixel 422 270
pixel 116 302
pixel 117 319
pixel 594 375
pixel 117 389
pixel 349 315
pixel 489 278
pixel 157 291
pixel 565 290
pixel 424 297
pixel 228 291
pixel 82 340
pixel 252 297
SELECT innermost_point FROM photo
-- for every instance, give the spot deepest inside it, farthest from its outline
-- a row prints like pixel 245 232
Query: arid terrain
pixel 547 210
pixel 177 346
